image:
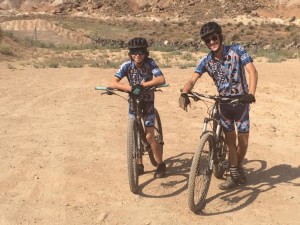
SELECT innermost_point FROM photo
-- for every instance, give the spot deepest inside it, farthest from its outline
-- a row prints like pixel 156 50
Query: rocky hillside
pixel 165 23
pixel 204 9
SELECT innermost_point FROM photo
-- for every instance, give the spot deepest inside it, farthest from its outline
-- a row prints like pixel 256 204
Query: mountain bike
pixel 210 156
pixel 137 145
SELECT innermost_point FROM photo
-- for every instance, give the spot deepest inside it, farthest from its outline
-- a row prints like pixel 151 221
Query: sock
pixel 234 172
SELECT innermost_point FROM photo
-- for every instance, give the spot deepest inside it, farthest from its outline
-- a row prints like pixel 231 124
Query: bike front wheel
pixel 132 156
pixel 200 174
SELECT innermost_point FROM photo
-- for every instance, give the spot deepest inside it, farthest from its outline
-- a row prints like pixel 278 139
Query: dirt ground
pixel 63 152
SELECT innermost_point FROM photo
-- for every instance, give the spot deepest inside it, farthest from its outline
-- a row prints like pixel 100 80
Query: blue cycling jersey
pixel 137 75
pixel 228 73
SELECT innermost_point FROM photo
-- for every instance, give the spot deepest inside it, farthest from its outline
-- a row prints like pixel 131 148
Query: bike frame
pixel 211 154
pixel 142 144
pixel 214 117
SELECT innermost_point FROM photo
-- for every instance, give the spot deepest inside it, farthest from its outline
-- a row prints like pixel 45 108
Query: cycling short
pixel 238 115
pixel 148 113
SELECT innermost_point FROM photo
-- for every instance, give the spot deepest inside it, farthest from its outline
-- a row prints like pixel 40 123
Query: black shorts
pixel 238 115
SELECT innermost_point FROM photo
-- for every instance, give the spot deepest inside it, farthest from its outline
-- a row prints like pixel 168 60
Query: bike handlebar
pixel 222 99
pixel 110 90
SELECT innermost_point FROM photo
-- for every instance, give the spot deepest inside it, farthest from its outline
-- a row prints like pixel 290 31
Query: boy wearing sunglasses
pixel 227 66
pixel 141 72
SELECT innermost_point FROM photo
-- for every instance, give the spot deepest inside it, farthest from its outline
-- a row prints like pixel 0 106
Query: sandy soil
pixel 63 152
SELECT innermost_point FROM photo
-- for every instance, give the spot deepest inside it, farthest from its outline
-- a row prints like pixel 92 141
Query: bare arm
pixel 115 83
pixel 191 83
pixel 253 77
pixel 155 81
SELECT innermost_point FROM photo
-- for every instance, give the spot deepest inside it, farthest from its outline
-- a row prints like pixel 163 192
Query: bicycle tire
pixel 200 173
pixel 158 134
pixel 132 156
pixel 218 167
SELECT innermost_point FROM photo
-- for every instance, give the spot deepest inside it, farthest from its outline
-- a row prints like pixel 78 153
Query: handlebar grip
pixel 101 88
pixel 162 85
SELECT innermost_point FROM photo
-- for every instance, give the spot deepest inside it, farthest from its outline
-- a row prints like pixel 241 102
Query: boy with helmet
pixel 141 72
pixel 227 66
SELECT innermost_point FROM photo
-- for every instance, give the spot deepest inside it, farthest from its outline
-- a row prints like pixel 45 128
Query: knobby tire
pixel 200 173
pixel 132 156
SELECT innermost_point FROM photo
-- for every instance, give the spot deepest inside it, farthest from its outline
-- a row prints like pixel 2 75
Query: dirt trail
pixel 63 152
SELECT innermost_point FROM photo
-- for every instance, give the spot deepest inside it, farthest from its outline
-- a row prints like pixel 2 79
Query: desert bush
pixel 274 55
pixel 6 50
pixel 163 48
pixel 186 65
pixel 73 62
pixel 239 24
pixel 250 32
pixel 235 37
pixel 11 67
pixel 188 56
pixel 53 64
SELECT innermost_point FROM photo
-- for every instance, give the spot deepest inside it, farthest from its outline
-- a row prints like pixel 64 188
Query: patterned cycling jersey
pixel 136 75
pixel 228 73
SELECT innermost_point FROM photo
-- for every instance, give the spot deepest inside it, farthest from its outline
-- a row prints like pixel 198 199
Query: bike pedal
pixel 225 164
pixel 148 148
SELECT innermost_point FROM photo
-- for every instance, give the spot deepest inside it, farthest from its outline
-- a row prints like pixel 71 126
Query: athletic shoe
pixel 140 168
pixel 241 175
pixel 160 171
pixel 229 183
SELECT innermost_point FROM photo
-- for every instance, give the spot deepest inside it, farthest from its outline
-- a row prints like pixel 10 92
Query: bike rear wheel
pixel 132 156
pixel 158 134
pixel 200 174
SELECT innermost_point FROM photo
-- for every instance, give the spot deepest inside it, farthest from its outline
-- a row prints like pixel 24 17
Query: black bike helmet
pixel 138 42
pixel 210 28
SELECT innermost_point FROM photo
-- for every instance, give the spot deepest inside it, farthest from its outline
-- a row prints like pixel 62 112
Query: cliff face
pixel 28 5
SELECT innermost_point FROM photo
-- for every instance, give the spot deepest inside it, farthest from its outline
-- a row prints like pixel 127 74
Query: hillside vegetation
pixel 266 28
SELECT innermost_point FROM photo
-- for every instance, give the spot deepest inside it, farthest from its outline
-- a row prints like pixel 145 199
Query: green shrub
pixel 6 50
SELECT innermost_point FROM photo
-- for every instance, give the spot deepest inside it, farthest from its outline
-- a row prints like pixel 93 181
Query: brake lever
pixel 108 92
pixel 235 102
pixel 196 98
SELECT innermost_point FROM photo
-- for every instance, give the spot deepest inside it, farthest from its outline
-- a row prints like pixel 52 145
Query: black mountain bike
pixel 137 145
pixel 210 156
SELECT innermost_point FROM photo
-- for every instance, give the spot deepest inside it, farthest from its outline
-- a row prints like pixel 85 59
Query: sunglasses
pixel 212 38
pixel 137 52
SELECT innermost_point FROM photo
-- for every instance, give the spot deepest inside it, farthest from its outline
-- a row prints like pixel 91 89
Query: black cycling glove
pixel 137 89
pixel 248 98
pixel 184 101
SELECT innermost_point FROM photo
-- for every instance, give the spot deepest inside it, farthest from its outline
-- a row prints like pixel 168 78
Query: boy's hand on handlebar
pixel 137 89
pixel 248 98
pixel 184 101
